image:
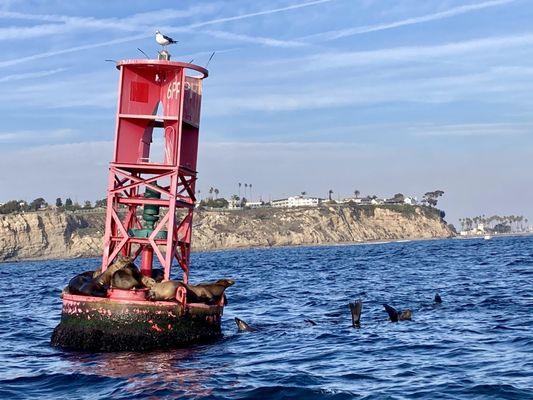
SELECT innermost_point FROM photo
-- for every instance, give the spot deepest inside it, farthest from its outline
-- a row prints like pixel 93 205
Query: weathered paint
pixel 103 324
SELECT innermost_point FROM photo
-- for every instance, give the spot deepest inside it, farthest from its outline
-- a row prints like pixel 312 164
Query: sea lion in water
pixel 85 285
pixel 438 299
pixel 105 277
pixel 164 290
pixel 396 316
pixel 356 309
pixel 243 326
pixel 208 293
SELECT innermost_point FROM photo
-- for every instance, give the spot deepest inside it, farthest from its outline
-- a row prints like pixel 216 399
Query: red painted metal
pixel 154 96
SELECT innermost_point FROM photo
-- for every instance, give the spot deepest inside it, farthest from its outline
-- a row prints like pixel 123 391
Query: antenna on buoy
pixel 146 55
pixel 210 58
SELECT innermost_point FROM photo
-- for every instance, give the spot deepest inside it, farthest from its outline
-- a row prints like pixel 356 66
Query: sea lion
pixel 396 316
pixel 158 274
pixel 209 292
pixel 129 277
pixel 438 299
pixel 164 290
pixel 105 277
pixel 147 281
pixel 85 285
pixel 243 326
pixel 356 309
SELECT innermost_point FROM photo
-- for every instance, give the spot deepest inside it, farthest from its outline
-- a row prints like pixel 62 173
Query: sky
pixel 379 96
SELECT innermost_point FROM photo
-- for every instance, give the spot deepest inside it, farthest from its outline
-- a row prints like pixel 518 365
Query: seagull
pixel 163 40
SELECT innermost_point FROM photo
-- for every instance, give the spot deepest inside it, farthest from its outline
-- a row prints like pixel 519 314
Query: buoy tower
pixel 150 205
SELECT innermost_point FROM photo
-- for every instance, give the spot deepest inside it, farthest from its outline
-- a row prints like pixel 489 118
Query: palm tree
pixel 211 190
pixel 199 197
pixel 216 193
pixel 240 184
pixel 245 191
pixel 303 193
pixel 250 185
pixel 330 192
pixel 356 193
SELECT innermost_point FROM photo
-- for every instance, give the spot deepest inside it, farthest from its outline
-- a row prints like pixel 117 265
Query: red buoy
pixel 150 205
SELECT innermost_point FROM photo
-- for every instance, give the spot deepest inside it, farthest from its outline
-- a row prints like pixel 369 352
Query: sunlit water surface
pixel 477 343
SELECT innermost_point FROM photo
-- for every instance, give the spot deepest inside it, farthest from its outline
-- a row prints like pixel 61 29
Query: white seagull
pixel 163 40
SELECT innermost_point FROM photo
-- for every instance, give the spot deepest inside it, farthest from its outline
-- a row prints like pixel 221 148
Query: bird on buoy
pixel 163 40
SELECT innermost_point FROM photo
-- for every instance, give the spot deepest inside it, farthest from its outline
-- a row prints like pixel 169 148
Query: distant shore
pixel 58 235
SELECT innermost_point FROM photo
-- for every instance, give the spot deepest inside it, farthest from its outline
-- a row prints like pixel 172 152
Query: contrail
pixel 337 34
pixel 21 60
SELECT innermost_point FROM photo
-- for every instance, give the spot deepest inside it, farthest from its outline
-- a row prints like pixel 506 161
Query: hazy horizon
pixel 378 96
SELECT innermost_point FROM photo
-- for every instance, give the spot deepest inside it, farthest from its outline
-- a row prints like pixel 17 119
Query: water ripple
pixel 476 344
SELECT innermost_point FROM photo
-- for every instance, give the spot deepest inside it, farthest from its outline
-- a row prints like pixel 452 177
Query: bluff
pixel 48 234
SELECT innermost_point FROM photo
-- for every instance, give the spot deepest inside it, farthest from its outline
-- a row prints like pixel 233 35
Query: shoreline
pixel 338 244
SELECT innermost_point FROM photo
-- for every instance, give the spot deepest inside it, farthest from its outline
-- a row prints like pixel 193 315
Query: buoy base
pixel 103 324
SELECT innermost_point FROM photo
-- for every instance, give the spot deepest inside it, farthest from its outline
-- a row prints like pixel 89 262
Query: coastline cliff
pixel 49 234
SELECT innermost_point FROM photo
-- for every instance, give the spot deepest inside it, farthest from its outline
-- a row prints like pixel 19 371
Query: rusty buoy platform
pixel 106 324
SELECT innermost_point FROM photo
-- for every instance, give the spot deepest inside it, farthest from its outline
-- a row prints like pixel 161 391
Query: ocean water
pixel 477 344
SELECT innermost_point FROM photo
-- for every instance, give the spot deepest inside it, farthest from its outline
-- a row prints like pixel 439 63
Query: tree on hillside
pixel 431 198
pixel 59 202
pixel 11 207
pixel 100 203
pixel 68 203
pixel 330 192
pixel 38 203
pixel 216 192
pixel 356 193
pixel 399 197
pixel 87 204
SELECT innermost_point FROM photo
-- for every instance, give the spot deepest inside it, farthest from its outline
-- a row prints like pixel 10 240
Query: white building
pixel 234 204
pixel 297 201
pixel 254 204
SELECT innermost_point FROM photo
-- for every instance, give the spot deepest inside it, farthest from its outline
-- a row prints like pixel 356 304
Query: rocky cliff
pixel 45 234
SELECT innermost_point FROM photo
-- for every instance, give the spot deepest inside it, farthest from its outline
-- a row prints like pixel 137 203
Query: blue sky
pixel 377 95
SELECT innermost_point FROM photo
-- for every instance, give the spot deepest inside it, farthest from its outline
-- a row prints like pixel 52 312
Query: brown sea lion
pixel 85 285
pixel 147 281
pixel 105 277
pixel 129 277
pixel 396 316
pixel 209 292
pixel 123 279
pixel 164 290
pixel 243 326
pixel 158 274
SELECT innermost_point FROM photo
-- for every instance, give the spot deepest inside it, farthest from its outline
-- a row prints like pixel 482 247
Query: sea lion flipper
pixel 356 309
pixel 393 314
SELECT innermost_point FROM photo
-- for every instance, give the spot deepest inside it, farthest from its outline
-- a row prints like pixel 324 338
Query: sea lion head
pixel 147 281
pixel 225 282
pixel 406 315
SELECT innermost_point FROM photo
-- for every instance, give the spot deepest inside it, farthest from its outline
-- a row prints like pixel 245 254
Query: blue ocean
pixel 477 344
